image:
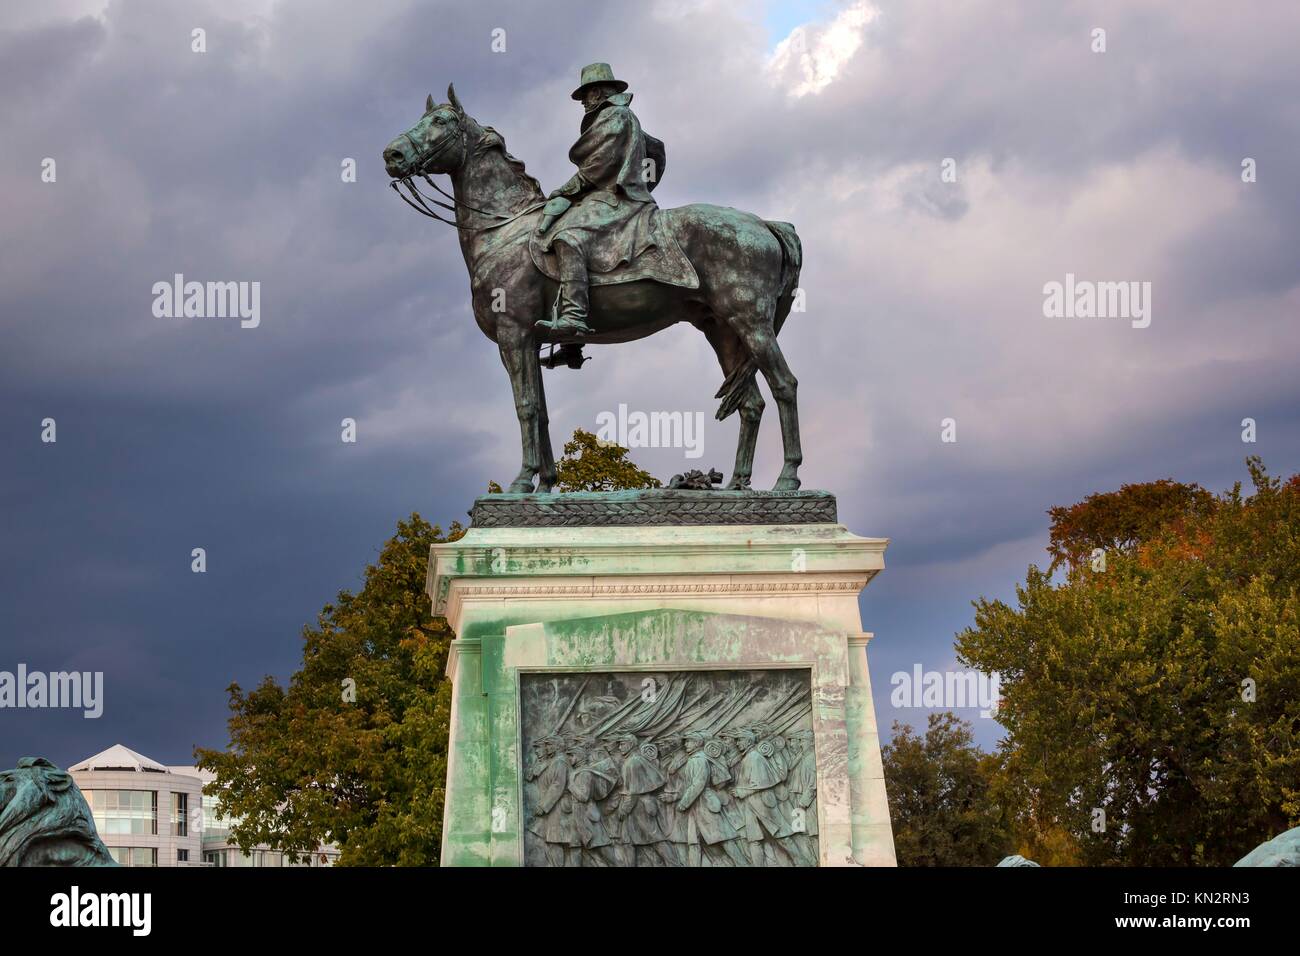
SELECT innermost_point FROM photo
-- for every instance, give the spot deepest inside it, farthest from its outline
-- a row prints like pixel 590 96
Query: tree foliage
pixel 941 804
pixel 592 465
pixel 1163 691
pixel 1121 520
pixel 354 750
pixel 307 765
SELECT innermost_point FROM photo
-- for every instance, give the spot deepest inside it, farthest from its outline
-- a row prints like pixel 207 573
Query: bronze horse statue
pixel 748 272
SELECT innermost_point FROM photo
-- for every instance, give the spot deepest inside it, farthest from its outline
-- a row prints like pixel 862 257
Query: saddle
pixel 656 254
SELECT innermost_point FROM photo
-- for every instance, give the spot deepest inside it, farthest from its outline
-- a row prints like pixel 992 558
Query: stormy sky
pixel 924 297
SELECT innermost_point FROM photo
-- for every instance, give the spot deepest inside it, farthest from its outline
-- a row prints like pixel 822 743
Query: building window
pixel 215 857
pixel 214 825
pixel 182 856
pixel 135 855
pixel 118 812
pixel 180 811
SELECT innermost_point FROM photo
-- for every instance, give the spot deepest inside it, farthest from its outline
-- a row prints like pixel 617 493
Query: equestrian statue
pixel 597 261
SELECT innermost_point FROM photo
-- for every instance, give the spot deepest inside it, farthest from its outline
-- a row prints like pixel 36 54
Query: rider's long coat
pixel 610 217
pixel 612 148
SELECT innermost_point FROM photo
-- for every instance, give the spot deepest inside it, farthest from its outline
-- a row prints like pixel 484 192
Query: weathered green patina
pixel 678 768
pixel 564 603
pixel 1282 850
pixel 44 819
pixel 678 507
pixel 746 268
pixel 486 791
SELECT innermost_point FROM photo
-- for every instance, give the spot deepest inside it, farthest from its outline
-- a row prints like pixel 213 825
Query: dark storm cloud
pixel 924 297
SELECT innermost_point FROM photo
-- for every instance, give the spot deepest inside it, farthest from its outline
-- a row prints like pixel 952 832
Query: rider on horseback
pixel 603 209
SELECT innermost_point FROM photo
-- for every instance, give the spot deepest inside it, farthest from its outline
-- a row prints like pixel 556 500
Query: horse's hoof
pixel 738 483
pixel 521 487
pixel 786 484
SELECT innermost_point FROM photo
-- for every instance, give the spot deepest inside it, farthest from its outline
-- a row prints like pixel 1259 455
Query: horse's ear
pixel 451 98
pixel 428 104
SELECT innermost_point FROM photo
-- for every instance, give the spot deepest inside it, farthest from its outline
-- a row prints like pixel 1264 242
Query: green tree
pixel 354 750
pixel 591 465
pixel 941 805
pixel 1153 708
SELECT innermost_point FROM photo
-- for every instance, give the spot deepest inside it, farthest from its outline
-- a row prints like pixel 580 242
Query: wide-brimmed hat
pixel 597 73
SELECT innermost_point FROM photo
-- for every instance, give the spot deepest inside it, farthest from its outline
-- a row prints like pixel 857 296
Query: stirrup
pixel 569 354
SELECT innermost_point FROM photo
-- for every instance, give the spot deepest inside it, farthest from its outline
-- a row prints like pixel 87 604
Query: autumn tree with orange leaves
pixel 1152 702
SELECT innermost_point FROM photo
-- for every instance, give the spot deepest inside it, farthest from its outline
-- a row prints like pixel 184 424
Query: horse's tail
pixel 736 385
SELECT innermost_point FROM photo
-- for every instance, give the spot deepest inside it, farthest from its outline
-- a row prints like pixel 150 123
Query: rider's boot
pixel 571 309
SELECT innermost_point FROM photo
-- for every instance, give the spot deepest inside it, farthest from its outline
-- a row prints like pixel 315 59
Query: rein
pixel 420 201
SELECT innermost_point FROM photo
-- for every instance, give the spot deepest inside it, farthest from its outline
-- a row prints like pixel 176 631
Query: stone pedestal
pixel 617 626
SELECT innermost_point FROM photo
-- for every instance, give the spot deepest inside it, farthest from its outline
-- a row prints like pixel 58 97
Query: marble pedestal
pixel 550 592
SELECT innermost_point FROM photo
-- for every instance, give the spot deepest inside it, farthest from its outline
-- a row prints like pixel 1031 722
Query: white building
pixel 148 814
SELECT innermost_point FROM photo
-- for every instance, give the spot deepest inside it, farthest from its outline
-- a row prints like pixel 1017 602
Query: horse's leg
pixel 518 350
pixel 751 413
pixel 760 339
pixel 546 479
pixel 731 353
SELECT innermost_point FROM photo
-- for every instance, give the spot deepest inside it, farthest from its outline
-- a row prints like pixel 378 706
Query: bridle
pixel 420 201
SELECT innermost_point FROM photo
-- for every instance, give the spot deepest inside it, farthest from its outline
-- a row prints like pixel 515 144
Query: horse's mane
pixel 491 139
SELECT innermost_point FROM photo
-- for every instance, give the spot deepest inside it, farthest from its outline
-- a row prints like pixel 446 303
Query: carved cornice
pixel 564 590
pixel 458 591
